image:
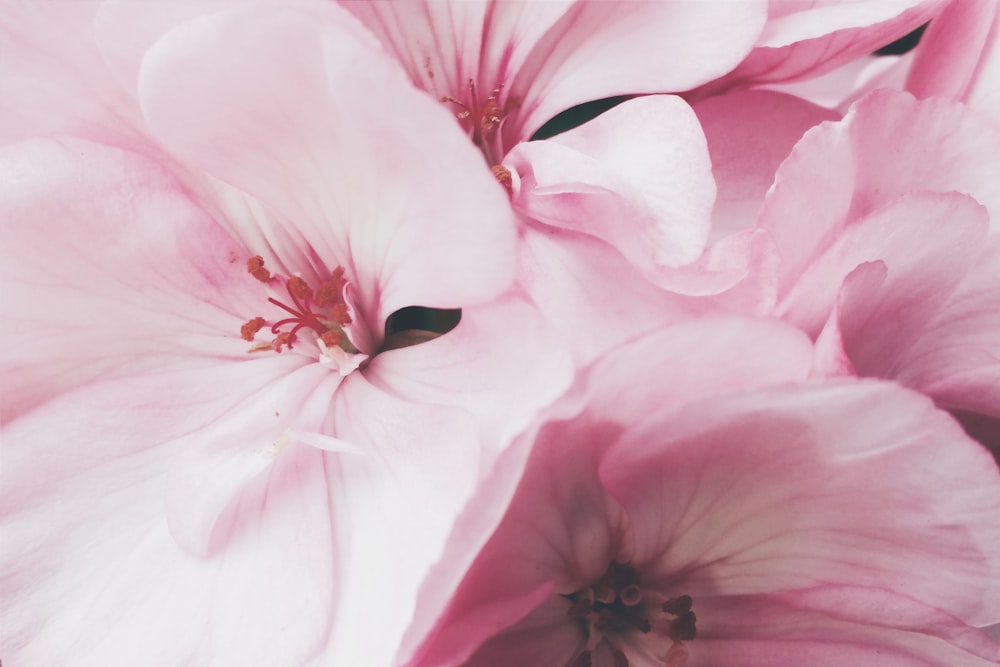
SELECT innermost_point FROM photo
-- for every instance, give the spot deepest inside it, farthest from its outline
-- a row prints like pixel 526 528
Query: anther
pixel 679 605
pixel 630 595
pixel 682 628
pixel 250 329
pixel 502 174
pixel 255 267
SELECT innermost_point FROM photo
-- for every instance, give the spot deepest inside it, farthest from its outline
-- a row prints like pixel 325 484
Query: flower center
pixel 617 605
pixel 483 120
pixel 323 311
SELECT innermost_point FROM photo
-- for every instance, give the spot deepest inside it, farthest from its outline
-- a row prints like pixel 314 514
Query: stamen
pixel 324 311
pixel 483 119
pixel 614 607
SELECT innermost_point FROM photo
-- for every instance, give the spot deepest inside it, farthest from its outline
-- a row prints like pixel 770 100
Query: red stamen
pixel 325 311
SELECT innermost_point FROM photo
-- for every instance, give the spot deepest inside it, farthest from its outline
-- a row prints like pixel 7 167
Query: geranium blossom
pixel 676 512
pixel 250 491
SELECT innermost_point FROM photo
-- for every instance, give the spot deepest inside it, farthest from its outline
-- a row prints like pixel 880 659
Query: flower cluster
pixel 495 332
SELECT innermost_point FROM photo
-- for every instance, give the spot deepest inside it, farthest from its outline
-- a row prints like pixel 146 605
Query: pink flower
pixel 506 68
pixel 885 226
pixel 173 498
pixel 896 268
pixel 690 502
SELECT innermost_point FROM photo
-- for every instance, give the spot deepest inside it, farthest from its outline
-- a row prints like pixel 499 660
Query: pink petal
pixel 53 77
pixel 561 520
pixel 95 575
pixel 394 506
pixel 566 275
pixel 217 467
pixel 834 626
pixel 802 40
pixel 957 357
pixel 609 178
pixel 298 110
pixel 950 54
pixel 599 50
pixel 774 490
pixel 749 134
pixel 483 366
pixel 921 276
pixel 888 145
pixel 444 45
pixel 111 270
pixel 831 358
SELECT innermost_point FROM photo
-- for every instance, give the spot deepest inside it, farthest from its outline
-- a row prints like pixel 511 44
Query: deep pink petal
pixel 888 145
pixel 299 110
pixel 561 520
pixel 109 268
pixel 921 276
pixel 776 490
pixel 611 178
pixel 835 626
pixel 832 359
pixel 749 134
pixel 956 360
pixel 950 53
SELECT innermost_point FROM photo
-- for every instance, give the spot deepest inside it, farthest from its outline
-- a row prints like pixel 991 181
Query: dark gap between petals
pixel 904 44
pixel 418 324
pixel 576 116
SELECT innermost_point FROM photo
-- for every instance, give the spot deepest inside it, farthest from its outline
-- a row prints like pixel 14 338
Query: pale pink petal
pixel 111 269
pixel 300 111
pixel 53 77
pixel 949 57
pixel 834 626
pixel 216 466
pixel 599 50
pixel 841 87
pixel 569 276
pixel 802 40
pixel 92 574
pixel 888 145
pixel 637 176
pixel 562 521
pixel 501 363
pixel 394 506
pixel 749 134
pixel 125 30
pixel 830 484
pixel 921 275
